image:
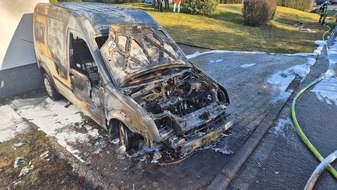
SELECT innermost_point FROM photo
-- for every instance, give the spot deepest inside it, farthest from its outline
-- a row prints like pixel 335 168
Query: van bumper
pixel 192 144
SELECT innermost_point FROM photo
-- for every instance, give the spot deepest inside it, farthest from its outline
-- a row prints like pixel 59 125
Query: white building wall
pixel 16 37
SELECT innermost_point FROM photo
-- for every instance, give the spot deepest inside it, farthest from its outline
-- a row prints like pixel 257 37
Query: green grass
pixel 54 173
pixel 225 29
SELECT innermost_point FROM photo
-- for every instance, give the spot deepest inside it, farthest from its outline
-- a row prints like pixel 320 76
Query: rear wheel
pixel 51 91
pixel 127 138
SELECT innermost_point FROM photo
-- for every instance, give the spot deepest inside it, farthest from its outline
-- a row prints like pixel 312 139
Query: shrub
pixel 202 7
pixel 303 5
pixel 258 12
pixel 66 0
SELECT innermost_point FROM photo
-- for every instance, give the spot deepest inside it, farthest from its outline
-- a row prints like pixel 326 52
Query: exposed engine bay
pixel 183 102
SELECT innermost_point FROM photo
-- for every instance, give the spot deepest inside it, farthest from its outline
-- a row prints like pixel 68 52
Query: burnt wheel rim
pixel 48 86
pixel 123 135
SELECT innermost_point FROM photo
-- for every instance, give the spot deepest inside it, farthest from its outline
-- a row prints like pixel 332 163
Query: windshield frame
pixel 176 58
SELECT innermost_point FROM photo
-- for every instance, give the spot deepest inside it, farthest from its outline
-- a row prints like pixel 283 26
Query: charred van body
pixel 123 70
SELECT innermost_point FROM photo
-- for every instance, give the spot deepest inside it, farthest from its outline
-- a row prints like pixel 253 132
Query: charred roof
pixel 101 15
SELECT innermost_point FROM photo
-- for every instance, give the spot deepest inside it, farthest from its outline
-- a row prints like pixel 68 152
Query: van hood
pixel 133 49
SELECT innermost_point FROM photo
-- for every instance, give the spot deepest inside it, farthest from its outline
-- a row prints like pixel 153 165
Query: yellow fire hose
pixel 298 127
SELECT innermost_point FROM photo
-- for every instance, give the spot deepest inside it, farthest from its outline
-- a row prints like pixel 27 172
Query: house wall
pixel 17 59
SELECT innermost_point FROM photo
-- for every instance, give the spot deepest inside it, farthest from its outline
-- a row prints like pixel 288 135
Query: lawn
pixel 225 29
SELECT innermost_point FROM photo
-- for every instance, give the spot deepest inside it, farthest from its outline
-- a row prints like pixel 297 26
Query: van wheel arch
pixel 127 138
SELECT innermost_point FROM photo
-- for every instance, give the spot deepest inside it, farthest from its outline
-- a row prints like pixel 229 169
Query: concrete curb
pixel 230 171
pixel 195 46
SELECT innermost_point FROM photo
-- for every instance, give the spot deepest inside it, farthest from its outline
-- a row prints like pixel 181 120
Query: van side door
pixel 85 78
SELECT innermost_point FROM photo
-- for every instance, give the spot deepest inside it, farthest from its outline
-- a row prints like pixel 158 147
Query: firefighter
pixel 322 12
pixel 176 2
pixel 160 5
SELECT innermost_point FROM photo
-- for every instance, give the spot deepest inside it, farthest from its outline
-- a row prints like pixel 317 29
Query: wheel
pixel 127 138
pixel 51 91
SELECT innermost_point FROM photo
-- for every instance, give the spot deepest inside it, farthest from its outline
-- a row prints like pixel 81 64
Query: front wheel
pixel 127 138
pixel 51 91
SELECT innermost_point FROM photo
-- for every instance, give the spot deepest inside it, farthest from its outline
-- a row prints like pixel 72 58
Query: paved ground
pixel 250 81
pixel 282 161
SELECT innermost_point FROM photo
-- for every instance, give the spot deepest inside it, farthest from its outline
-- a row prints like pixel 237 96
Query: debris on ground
pixel 45 155
pixel 299 24
pixel 156 156
pixel 19 161
pixel 223 151
pixel 18 144
pixel 25 170
pixel 258 164
pixel 300 27
pixel 100 143
pixel 115 141
pixel 307 30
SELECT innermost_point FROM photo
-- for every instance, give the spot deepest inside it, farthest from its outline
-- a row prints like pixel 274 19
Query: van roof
pixel 101 15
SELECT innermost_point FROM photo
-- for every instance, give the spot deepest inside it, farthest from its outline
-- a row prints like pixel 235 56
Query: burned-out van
pixel 124 70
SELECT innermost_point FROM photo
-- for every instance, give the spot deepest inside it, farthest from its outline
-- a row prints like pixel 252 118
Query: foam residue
pixel 332 56
pixel 302 54
pixel 281 80
pixel 247 65
pixel 11 123
pixel 143 149
pixel 320 47
pixel 196 54
pixel 52 117
pixel 223 151
pixel 281 125
pixel 326 91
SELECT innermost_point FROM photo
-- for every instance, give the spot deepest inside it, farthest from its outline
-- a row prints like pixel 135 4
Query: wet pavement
pixel 254 92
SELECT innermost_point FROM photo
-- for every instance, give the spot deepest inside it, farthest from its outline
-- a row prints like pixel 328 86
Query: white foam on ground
pixel 332 56
pixel 11 124
pixel 281 125
pixel 247 65
pixel 302 54
pixel 319 49
pixel 224 151
pixel 281 80
pixel 196 54
pixel 57 121
pixel 326 91
pixel 143 149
